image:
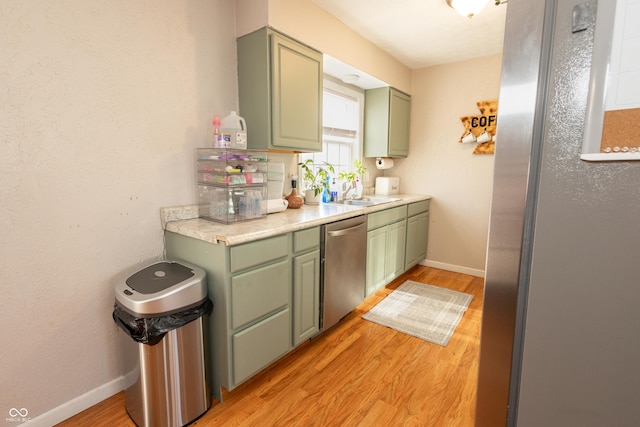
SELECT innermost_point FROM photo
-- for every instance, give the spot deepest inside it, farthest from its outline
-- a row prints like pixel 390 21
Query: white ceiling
pixel 422 33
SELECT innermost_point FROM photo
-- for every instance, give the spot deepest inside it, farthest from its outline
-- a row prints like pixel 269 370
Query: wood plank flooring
pixel 357 373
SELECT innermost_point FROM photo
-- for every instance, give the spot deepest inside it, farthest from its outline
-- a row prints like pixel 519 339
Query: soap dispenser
pixel 295 200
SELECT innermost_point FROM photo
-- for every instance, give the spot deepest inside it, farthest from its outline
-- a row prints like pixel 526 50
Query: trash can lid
pixel 158 277
pixel 162 288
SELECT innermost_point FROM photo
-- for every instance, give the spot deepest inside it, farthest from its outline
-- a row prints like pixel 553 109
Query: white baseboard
pixel 452 267
pixel 77 405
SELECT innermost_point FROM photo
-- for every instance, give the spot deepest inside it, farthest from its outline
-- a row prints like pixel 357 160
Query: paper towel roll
pixel 276 205
pixel 384 163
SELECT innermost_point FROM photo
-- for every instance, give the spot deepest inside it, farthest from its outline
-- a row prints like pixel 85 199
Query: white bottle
pixel 234 131
pixel 357 190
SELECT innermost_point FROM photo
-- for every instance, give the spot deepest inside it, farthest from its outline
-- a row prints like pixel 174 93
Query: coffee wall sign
pixel 481 129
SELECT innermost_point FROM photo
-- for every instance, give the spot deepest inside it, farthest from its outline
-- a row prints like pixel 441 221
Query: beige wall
pixel 459 181
pixel 101 105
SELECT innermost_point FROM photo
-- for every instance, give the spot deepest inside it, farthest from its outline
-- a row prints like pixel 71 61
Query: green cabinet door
pixel 395 249
pixel 387 115
pixel 297 95
pixel 385 255
pixel 376 276
pixel 280 92
pixel 306 296
pixel 386 238
pixel 417 237
pixel 399 122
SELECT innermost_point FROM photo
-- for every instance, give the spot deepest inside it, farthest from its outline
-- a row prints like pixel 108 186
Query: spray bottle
pixel 218 141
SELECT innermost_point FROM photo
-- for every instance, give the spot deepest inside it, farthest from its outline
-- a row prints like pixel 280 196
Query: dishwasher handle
pixel 344 231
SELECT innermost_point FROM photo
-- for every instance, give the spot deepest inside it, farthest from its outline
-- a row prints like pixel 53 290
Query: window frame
pixel 339 88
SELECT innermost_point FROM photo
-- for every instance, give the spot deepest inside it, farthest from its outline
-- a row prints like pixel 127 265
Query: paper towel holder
pixel 384 163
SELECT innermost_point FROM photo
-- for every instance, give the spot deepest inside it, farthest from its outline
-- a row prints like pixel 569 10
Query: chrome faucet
pixel 346 188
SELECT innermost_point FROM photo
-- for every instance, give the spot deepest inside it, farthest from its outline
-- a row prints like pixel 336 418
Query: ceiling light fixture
pixel 350 78
pixel 468 8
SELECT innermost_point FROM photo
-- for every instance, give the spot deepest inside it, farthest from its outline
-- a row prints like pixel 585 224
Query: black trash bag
pixel 151 330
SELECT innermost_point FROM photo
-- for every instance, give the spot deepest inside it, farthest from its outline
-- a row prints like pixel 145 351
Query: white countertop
pixel 184 220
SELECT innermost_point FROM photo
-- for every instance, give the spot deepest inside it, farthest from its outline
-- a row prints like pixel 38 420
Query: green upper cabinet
pixel 280 92
pixel 386 123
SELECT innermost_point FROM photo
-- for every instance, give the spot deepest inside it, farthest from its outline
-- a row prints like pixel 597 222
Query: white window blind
pixel 342 127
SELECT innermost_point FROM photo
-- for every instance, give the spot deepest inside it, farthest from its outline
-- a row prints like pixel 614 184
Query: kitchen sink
pixel 370 201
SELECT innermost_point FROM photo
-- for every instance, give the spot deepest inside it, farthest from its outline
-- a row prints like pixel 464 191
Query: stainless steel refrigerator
pixel 561 317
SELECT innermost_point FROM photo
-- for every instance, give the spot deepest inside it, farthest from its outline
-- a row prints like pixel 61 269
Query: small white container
pixel 386 185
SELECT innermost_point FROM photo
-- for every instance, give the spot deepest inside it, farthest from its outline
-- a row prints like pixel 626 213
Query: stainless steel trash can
pixel 165 309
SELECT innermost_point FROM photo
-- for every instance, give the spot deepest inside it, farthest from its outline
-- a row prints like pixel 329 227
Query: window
pixel 343 111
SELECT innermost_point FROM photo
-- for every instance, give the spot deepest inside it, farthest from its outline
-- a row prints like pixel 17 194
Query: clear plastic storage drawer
pixel 232 184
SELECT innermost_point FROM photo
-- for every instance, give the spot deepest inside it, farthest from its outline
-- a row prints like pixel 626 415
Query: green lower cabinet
pixel 376 255
pixel 306 296
pixel 266 293
pixel 260 295
pixel 396 241
pixel 417 235
pixel 396 249
pixel 417 232
pixel 385 255
pixel 258 345
pixel 250 285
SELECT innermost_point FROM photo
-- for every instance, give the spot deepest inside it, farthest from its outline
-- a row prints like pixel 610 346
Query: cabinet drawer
pixel 259 345
pixel 387 216
pixel 418 207
pixel 255 253
pixel 304 240
pixel 259 292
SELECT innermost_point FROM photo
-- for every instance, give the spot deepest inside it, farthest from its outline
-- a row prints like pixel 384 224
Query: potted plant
pixel 351 178
pixel 316 180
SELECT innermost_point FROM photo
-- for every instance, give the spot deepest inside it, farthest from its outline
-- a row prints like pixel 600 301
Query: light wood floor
pixel 355 374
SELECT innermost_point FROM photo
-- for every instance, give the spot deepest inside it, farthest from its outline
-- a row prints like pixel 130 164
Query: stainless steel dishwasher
pixel 344 254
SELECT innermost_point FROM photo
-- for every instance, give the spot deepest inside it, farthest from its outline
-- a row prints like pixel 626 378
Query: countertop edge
pixel 184 220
